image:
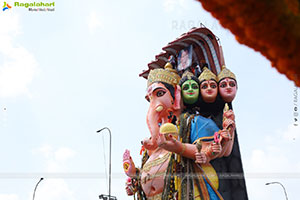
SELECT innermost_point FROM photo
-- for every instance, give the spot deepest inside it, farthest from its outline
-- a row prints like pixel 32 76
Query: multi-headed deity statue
pixel 190 126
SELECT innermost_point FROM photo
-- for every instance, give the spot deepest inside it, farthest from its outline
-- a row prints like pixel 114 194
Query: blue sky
pixel 67 73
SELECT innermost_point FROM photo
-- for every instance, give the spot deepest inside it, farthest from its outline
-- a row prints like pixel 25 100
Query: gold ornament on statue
pixel 225 73
pixel 166 75
pixel 226 108
pixel 188 74
pixel 207 75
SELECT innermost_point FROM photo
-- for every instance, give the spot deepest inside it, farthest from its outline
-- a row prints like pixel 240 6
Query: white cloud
pixel 93 22
pixel 45 150
pixel 276 160
pixel 9 197
pixel 10 24
pixel 19 66
pixel 278 154
pixel 55 159
pixel 270 160
pixel 63 154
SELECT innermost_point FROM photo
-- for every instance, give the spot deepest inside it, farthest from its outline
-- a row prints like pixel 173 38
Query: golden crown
pixel 166 75
pixel 225 73
pixel 188 74
pixel 207 75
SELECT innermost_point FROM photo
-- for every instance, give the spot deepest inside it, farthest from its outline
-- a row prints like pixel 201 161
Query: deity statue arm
pixel 128 164
pixel 187 150
pixel 169 143
pixel 209 149
pixel 173 145
pixel 213 150
pixel 150 144
pixel 228 114
pixel 227 137
pixel 130 187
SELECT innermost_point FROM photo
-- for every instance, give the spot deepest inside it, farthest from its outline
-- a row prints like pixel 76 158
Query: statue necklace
pixel 160 160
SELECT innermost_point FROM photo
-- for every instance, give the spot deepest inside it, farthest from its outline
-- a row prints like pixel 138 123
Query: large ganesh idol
pixel 168 169
pixel 164 96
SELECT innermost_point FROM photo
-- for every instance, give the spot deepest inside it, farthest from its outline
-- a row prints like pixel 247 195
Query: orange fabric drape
pixel 271 27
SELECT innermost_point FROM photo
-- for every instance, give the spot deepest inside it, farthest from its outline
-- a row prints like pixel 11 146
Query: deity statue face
pixel 160 98
pixel 209 91
pixel 164 107
pixel 190 91
pixel 227 89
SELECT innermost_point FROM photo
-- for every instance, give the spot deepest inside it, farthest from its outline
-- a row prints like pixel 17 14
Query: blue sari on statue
pixel 205 129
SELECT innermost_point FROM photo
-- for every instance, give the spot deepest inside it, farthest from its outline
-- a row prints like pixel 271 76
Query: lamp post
pixel 281 186
pixel 36 187
pixel 106 197
pixel 109 190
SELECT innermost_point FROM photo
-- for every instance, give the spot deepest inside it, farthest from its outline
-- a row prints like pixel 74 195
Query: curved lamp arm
pixel 36 187
pixel 281 186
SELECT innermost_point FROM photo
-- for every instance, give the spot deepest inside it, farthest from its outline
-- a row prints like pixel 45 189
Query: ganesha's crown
pixel 207 75
pixel 225 73
pixel 167 75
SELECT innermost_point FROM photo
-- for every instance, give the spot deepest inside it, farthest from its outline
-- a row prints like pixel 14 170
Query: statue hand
pixel 225 135
pixel 217 137
pixel 229 123
pixel 128 164
pixel 129 187
pixel 229 114
pixel 161 140
pixel 149 144
pixel 216 148
pixel 167 142
pixel 200 158
pixel 228 136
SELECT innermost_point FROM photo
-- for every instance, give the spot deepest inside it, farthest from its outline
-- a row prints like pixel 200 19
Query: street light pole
pixel 36 187
pixel 109 193
pixel 281 186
